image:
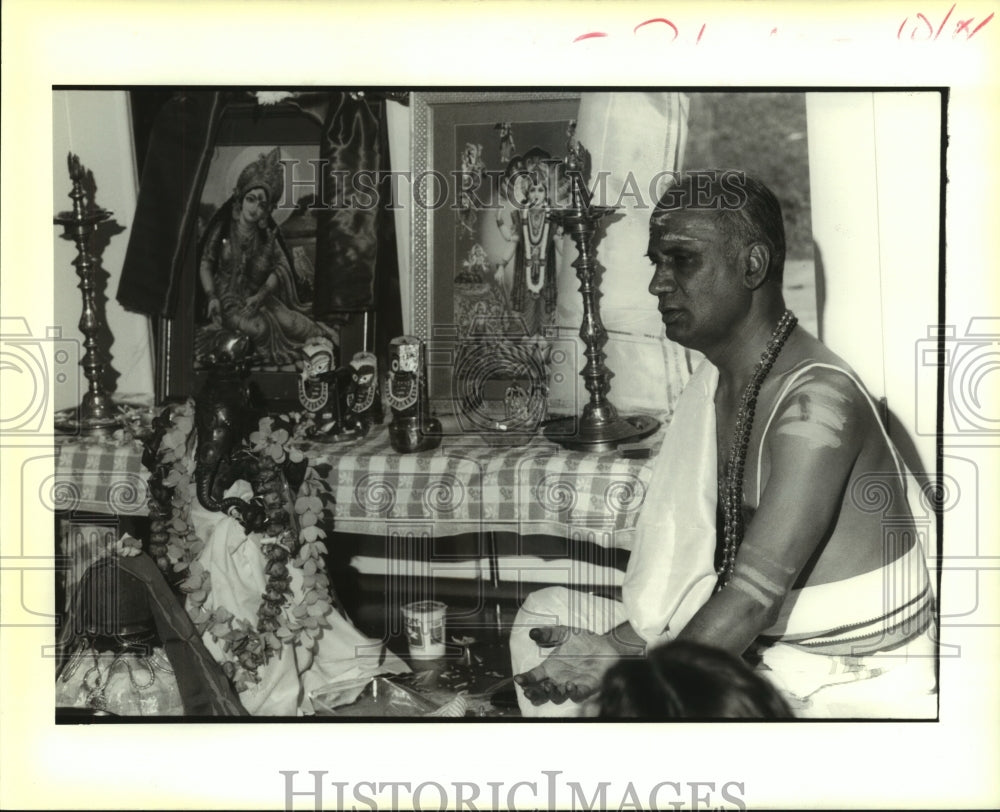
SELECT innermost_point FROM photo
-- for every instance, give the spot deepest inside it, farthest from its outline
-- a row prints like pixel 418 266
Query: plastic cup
pixel 424 624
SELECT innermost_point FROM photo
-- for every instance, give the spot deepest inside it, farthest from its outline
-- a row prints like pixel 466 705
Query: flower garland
pixel 303 545
pixel 175 546
pixel 173 543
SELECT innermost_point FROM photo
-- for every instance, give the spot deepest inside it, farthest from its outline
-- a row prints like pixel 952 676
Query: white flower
pixel 127 546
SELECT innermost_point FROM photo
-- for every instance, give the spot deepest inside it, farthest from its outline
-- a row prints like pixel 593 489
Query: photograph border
pixel 750 44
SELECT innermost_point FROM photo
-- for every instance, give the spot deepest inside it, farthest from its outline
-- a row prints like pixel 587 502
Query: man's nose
pixel 662 282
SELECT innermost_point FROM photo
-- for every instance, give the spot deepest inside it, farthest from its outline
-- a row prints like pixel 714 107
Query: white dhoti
pixel 863 647
pixel 896 684
pixel 670 571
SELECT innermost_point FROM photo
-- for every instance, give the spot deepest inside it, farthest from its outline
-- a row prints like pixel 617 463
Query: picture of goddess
pixel 247 273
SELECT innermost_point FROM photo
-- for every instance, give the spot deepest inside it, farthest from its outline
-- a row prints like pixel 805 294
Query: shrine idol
pixel 322 386
pixel 364 406
pixel 411 428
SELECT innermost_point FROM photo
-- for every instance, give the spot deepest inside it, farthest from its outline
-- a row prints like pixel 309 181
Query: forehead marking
pixel 677 238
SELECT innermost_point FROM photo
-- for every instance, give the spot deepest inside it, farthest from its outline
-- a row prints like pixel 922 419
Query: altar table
pixel 468 485
pixel 462 486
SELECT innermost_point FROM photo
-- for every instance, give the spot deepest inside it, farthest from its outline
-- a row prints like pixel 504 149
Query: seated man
pixel 759 533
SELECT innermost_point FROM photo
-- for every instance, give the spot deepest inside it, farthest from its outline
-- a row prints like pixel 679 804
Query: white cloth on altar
pixel 236 564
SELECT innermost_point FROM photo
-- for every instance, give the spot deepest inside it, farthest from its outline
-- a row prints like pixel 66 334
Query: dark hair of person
pixel 744 206
pixel 684 680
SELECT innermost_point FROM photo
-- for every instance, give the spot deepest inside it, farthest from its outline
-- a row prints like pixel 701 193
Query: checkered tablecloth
pixel 465 485
pixel 99 475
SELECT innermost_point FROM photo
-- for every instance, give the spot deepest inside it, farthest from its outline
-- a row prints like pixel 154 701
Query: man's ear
pixel 758 261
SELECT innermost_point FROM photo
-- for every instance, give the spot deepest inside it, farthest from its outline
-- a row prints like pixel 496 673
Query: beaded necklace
pixel 731 484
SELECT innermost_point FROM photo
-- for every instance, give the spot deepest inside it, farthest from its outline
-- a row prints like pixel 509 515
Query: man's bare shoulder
pixel 808 365
pixel 803 348
pixel 821 405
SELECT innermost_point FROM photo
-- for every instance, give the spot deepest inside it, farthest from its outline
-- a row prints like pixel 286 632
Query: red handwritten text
pixel 917 27
pixel 668 27
pixel 922 29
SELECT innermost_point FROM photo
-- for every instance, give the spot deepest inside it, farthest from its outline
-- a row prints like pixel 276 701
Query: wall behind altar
pixel 875 223
pixel 95 125
pixel 765 134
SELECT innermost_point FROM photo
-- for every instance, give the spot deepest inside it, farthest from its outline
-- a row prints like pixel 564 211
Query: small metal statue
pixel 412 428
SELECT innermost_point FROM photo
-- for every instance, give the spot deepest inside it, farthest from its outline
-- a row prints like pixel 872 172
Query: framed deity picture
pixel 486 166
pixel 251 265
